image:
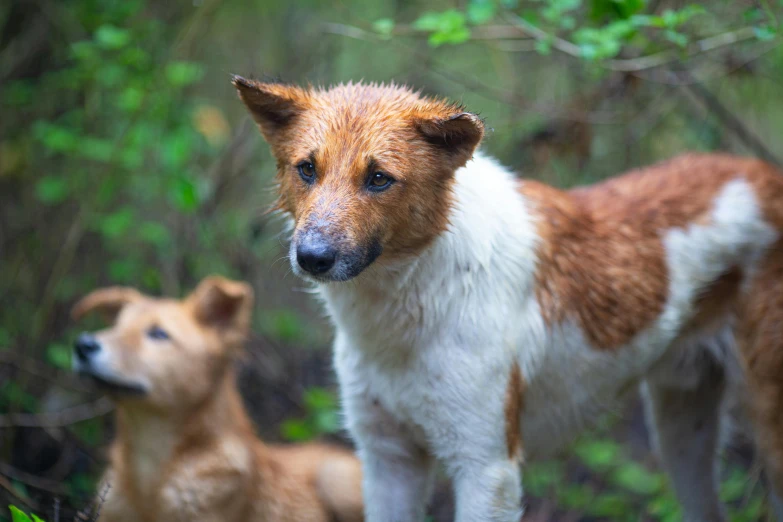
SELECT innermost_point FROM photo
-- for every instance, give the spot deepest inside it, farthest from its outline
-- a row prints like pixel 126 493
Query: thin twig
pixel 507 97
pixel 20 496
pixel 643 62
pixel 42 371
pixel 32 480
pixel 66 417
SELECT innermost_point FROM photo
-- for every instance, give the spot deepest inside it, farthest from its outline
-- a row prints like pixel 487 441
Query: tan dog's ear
pixel 223 304
pixel 107 300
pixel 273 106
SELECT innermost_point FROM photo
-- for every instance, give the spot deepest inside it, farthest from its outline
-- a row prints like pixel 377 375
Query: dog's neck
pixel 148 439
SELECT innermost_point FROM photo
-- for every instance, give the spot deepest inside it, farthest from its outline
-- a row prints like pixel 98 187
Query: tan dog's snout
pixel 85 347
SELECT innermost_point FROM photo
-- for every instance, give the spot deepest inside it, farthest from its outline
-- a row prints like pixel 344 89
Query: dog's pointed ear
pixel 109 301
pixel 457 135
pixel 274 106
pixel 223 304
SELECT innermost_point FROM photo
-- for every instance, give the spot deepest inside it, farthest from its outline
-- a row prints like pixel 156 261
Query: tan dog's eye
pixel 379 181
pixel 306 172
pixel 157 333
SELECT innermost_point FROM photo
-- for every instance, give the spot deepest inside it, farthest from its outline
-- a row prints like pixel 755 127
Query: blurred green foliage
pixel 126 159
pixel 593 30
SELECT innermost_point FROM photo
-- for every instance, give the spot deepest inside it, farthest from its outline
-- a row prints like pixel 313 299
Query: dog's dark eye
pixel 306 171
pixel 157 333
pixel 379 181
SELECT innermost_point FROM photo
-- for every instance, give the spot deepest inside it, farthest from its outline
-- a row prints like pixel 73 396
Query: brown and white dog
pixel 481 319
pixel 185 449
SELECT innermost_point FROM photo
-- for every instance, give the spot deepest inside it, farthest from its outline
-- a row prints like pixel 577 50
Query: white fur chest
pixel 432 338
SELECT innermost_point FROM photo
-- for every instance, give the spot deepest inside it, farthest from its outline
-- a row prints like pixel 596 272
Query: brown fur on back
pixel 623 219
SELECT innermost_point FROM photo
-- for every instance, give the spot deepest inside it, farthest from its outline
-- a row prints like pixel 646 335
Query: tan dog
pixel 185 448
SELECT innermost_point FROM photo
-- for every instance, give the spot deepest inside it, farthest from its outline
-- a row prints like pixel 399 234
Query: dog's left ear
pixel 457 135
pixel 223 304
pixel 107 300
pixel 274 106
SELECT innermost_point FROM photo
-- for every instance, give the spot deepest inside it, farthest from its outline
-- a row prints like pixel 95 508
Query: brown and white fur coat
pixel 483 321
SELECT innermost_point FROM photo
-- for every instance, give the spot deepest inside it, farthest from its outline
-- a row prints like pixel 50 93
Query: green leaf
pixel 428 21
pixel 51 190
pixel 184 194
pixel 17 515
pixel 599 454
pixel 117 223
pixel 130 99
pixel 283 325
pixel 326 422
pixel 176 148
pixel 447 26
pixel 676 38
pixel 59 356
pixel 123 270
pixel 765 33
pixel 637 479
pixel 55 138
pixel 180 74
pixel 456 36
pixel 540 476
pixel 90 431
pixel 296 430
pixel 544 46
pixel 110 37
pixel 96 149
pixel 383 26
pixel 481 11
pixel 154 233
pixel 319 399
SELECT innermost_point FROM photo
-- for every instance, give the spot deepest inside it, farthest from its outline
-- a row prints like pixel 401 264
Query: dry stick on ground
pixel 712 104
pixel 66 417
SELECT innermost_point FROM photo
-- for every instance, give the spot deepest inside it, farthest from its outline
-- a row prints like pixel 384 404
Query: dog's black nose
pixel 85 346
pixel 316 257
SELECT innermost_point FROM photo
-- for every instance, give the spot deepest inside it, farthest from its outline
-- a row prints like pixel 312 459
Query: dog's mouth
pixel 113 385
pixel 348 264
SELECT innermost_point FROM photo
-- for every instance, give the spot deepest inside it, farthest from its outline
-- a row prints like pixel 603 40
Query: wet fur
pixel 504 316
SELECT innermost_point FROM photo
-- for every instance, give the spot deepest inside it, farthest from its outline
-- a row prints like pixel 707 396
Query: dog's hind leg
pixel 761 349
pixel 685 422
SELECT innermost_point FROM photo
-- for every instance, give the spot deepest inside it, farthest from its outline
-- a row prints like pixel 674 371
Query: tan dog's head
pixel 364 170
pixel 164 352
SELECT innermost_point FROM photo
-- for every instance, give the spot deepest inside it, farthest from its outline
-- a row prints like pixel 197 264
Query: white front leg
pixel 398 475
pixel 488 492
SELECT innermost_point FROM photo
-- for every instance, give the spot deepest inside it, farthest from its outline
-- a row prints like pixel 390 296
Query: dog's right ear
pixel 225 305
pixel 274 106
pixel 109 301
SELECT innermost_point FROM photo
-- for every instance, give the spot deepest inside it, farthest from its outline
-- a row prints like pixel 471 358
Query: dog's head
pixel 164 352
pixel 365 171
